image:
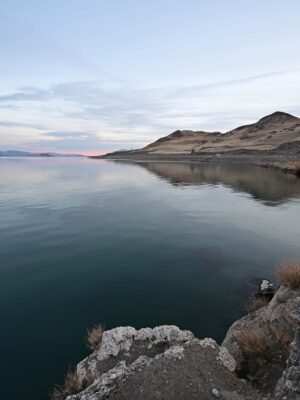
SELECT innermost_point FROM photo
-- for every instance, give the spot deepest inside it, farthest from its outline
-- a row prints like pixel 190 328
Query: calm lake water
pixel 89 241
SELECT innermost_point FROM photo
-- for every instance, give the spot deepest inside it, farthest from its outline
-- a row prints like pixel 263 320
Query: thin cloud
pixel 72 135
pixel 27 94
pixel 12 124
pixel 231 82
pixel 94 91
pixel 109 113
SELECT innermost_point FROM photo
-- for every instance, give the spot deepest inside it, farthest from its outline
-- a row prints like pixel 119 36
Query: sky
pixel 93 76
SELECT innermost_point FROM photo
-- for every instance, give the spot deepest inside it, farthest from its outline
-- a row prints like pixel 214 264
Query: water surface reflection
pixel 270 186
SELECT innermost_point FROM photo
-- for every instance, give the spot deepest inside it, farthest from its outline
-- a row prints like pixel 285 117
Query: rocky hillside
pixel 268 133
pixel 278 132
pixel 259 358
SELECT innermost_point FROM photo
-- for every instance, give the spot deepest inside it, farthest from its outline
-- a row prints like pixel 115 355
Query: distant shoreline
pixel 273 141
pixel 44 157
pixel 283 162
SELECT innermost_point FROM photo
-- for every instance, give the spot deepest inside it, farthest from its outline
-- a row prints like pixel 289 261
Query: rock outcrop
pixel 258 360
pixel 288 386
pixel 277 323
pixel 160 363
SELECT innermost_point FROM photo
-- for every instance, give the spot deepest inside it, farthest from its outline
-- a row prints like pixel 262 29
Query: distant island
pixel 273 141
pixel 16 153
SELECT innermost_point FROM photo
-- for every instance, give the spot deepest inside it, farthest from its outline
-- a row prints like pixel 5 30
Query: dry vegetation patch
pixel 289 274
pixel 72 385
pixel 94 337
pixel 254 342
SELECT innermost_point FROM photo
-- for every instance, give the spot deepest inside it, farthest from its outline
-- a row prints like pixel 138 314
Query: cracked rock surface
pixel 278 321
pixel 166 363
pixel 161 363
pixel 288 386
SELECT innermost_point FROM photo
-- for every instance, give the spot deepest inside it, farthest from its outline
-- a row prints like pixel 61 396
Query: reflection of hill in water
pixel 267 185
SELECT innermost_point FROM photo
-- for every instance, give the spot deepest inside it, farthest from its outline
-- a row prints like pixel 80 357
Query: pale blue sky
pixel 93 75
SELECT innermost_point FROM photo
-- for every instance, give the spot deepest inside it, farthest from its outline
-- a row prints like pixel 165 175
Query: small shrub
pixel 72 385
pixel 254 342
pixel 258 302
pixel 94 337
pixel 289 274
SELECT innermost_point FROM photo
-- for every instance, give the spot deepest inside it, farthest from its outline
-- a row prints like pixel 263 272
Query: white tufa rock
pixel 215 392
pixel 122 338
pixel 144 334
pixel 102 386
pixel 208 342
pixel 113 342
pixel 226 359
pixel 265 285
pixel 174 352
pixel 171 333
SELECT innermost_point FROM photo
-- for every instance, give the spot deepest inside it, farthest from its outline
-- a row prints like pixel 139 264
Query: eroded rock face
pixel 283 315
pixel 278 323
pixel 166 363
pixel 160 363
pixel 128 343
pixel 288 386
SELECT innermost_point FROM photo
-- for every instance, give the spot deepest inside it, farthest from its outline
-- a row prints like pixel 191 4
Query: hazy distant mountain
pixel 17 153
pixel 276 132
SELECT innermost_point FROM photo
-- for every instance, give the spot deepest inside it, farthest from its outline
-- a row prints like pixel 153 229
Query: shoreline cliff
pixel 259 358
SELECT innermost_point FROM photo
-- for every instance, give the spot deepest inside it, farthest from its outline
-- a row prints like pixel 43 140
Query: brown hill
pixel 268 133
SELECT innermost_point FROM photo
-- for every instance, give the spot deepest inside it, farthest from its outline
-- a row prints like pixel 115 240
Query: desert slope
pixel 266 134
pixel 278 133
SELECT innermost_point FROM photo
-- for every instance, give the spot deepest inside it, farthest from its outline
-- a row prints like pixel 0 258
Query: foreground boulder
pixel 258 360
pixel 288 386
pixel 261 341
pixel 160 363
